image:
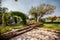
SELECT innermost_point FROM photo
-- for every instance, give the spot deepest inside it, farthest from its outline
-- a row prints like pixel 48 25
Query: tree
pixel 15 0
pixel 0 5
pixel 33 12
pixel 41 10
pixel 4 9
pixel 53 18
pixel 45 9
pixel 4 15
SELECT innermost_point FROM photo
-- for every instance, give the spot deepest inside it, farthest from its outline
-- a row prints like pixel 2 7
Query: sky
pixel 25 5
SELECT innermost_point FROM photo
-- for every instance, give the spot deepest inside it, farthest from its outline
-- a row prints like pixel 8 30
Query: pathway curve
pixel 39 34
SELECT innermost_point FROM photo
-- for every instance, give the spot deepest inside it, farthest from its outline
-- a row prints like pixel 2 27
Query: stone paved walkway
pixel 38 34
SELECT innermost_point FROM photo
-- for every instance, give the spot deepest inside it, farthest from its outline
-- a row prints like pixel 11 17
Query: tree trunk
pixel 51 20
pixel 36 17
pixel 39 19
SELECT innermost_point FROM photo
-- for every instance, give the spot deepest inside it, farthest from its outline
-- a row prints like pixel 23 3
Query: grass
pixel 52 26
pixel 4 29
pixel 9 28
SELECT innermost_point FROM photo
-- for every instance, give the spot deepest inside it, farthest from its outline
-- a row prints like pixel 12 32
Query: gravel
pixel 38 34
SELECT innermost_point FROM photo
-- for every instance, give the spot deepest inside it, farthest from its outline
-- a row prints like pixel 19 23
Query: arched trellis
pixel 20 14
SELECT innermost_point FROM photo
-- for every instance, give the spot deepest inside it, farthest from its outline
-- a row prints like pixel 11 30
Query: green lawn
pixel 52 26
pixel 9 28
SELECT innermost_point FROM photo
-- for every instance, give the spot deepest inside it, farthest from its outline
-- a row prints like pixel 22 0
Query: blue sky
pixel 25 5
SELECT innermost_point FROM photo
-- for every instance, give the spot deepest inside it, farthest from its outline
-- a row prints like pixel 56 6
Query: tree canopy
pixel 41 10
